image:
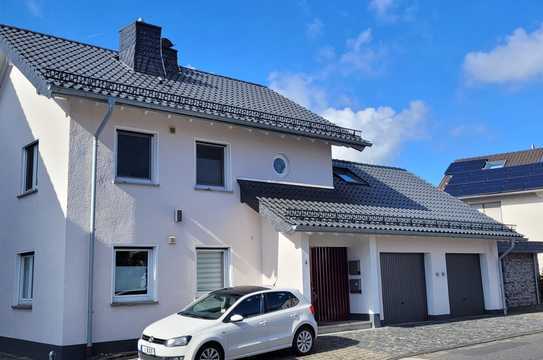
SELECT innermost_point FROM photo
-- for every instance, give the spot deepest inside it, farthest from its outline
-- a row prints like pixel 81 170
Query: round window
pixel 280 165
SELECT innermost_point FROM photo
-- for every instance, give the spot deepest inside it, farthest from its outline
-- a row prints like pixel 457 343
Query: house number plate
pixel 147 350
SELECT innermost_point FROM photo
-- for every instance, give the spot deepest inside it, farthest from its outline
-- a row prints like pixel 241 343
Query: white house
pixel 508 187
pixel 131 185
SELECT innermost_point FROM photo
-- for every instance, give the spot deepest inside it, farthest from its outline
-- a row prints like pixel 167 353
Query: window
pixel 133 274
pixel 252 306
pixel 348 176
pixel 30 167
pixel 496 164
pixel 210 164
pixel 280 165
pixel 26 278
pixel 135 153
pixel 282 300
pixel 211 269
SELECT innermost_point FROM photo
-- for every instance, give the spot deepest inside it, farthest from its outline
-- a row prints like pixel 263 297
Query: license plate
pixel 147 350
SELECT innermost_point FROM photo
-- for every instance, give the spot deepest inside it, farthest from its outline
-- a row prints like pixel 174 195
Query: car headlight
pixel 179 341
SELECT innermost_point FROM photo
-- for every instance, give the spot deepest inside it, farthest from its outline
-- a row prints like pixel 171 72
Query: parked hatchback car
pixel 232 323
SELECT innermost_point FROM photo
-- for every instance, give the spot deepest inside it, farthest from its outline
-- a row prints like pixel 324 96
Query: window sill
pixel 127 181
pixel 212 188
pixel 26 193
pixel 22 307
pixel 134 303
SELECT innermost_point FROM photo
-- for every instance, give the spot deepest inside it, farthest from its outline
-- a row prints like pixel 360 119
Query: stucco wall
pixel 142 215
pixel 522 210
pixel 434 248
pixel 36 222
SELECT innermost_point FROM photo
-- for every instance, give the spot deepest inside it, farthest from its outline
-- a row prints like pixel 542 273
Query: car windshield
pixel 212 306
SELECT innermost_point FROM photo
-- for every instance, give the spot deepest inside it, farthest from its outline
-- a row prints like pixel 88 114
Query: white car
pixel 233 323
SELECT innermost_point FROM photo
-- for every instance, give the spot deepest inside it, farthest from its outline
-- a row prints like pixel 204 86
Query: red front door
pixel 329 283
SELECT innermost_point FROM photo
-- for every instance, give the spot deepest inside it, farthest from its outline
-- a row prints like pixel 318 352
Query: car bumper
pixel 164 352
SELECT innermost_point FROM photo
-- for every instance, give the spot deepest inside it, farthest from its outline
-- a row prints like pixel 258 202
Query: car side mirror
pixel 236 318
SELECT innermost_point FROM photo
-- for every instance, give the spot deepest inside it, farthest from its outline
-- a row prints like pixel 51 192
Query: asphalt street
pixel 521 348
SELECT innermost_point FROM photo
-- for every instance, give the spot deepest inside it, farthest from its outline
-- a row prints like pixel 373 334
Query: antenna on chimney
pixel 533 146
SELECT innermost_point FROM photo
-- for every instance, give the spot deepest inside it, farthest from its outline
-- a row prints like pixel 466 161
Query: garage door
pixel 465 284
pixel 404 287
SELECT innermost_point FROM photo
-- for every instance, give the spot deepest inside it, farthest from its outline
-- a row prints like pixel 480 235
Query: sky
pixel 426 81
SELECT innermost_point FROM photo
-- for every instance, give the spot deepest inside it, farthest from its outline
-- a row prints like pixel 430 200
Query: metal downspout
pixel 502 285
pixel 92 222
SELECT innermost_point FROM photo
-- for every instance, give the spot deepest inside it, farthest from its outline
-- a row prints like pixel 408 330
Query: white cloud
pixel 381 7
pixel 299 88
pixel 360 56
pixel 517 60
pixel 34 7
pixel 314 28
pixel 385 127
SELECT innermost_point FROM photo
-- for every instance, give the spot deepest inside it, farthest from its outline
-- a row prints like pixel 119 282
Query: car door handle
pixel 293 316
pixel 263 323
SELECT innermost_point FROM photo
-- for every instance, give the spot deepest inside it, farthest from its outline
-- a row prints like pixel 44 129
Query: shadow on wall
pixel 35 222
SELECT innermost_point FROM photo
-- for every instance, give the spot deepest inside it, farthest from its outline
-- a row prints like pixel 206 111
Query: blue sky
pixel 426 81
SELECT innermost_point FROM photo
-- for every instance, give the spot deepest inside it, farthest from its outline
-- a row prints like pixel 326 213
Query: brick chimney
pixel 143 49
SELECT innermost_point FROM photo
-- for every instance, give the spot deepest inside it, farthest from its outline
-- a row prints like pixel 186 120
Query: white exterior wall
pixel 142 215
pixel 522 210
pixel 367 248
pixel 36 222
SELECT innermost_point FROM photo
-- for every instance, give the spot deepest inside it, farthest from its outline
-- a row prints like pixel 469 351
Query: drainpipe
pixel 92 222
pixel 502 287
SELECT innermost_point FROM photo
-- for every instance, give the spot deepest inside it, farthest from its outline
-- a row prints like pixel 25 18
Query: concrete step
pixel 339 326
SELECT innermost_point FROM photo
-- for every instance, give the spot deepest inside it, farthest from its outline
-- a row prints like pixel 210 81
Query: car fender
pixel 204 340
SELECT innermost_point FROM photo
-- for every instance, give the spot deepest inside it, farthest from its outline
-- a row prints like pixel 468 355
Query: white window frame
pixel 34 187
pixel 287 165
pixel 20 278
pixel 227 263
pixel 154 157
pixel 227 166
pixel 152 280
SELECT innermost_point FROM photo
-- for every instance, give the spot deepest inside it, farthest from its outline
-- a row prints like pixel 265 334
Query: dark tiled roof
pixel 533 247
pixel 71 67
pixel 523 171
pixel 394 201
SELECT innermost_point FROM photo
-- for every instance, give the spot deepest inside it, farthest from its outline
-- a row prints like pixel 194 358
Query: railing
pixel 173 100
pixel 357 218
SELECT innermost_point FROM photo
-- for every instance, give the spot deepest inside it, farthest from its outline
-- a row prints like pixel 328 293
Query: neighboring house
pixel 508 188
pixel 163 183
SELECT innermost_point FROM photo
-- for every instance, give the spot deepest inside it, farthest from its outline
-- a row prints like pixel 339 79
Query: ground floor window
pixel 134 274
pixel 211 269
pixel 26 278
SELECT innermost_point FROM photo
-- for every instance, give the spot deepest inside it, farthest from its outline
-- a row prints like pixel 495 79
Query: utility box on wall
pixel 355 286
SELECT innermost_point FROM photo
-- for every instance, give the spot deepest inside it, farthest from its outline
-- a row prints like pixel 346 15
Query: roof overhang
pixel 524 247
pixel 59 90
pixel 538 191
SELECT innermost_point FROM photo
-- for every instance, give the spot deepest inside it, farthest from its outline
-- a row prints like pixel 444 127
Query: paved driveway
pixel 399 342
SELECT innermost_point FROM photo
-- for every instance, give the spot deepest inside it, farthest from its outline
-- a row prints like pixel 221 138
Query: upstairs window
pixel 26 278
pixel 210 164
pixel 30 168
pixel 495 164
pixel 348 176
pixel 135 152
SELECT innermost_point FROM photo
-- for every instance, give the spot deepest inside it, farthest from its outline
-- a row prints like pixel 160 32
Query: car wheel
pixel 209 352
pixel 303 342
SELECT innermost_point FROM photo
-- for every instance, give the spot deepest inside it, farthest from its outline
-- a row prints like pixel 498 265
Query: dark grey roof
pixel 394 201
pixel 58 65
pixel 522 171
pixel 532 247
